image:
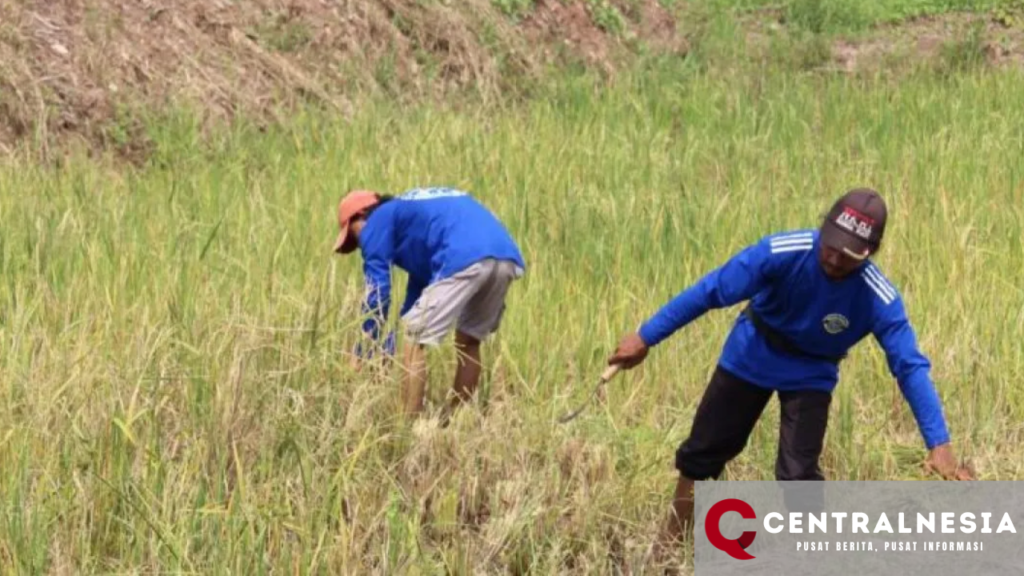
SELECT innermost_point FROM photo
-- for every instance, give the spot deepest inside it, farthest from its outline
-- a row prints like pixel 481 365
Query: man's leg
pixel 415 384
pixel 427 323
pixel 803 419
pixel 680 518
pixel 467 374
pixel 480 318
pixel 724 420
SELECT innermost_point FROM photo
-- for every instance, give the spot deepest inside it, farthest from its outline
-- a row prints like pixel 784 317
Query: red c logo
pixel 734 548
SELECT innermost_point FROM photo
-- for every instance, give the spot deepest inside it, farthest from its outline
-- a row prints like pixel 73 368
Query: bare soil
pixel 910 43
pixel 927 39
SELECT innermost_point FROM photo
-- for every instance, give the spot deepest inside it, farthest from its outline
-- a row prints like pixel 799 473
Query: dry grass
pixel 94 70
pixel 174 386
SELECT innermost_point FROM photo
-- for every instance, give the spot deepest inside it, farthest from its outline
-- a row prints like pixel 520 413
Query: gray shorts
pixel 474 296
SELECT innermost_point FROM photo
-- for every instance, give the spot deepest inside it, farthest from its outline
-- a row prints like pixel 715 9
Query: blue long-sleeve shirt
pixel 781 277
pixel 431 233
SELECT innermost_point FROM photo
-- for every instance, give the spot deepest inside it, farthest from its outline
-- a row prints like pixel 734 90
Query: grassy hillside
pixel 91 72
pixel 175 393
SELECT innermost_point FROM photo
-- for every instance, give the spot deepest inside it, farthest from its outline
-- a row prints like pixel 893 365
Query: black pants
pixel 726 416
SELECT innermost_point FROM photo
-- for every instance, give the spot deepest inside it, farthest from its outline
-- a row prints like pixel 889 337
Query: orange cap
pixel 352 204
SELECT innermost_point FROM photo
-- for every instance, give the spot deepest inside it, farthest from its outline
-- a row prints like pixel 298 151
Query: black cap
pixel 856 223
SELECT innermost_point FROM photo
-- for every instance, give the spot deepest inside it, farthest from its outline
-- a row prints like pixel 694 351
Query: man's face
pixel 356 226
pixel 835 263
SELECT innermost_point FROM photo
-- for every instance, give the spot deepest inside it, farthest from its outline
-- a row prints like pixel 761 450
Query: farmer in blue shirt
pixel 460 261
pixel 812 295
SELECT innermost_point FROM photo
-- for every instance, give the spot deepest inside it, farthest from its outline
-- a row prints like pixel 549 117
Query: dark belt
pixel 781 342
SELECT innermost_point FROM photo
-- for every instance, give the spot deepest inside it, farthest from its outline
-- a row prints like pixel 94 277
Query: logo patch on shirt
pixel 431 193
pixel 835 323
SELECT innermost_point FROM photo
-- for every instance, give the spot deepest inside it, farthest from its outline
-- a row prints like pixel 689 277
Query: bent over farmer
pixel 460 261
pixel 812 295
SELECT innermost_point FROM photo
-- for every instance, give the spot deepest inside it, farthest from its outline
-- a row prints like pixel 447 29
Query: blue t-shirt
pixel 781 277
pixel 431 233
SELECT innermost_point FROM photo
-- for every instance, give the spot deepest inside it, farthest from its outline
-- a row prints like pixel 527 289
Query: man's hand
pixel 365 349
pixel 631 351
pixel 942 461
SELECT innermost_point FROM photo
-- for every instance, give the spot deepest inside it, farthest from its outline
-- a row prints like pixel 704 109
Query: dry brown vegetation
pixel 77 71
pixel 999 42
pixel 71 67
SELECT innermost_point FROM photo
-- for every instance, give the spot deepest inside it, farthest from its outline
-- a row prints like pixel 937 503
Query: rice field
pixel 175 387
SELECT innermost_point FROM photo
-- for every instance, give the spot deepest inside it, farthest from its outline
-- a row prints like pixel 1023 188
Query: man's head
pixel 852 231
pixel 352 212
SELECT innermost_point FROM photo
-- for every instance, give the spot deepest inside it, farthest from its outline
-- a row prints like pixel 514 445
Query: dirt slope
pixel 84 69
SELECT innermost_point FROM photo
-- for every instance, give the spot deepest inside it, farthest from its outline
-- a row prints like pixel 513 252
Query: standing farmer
pixel 460 261
pixel 813 294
